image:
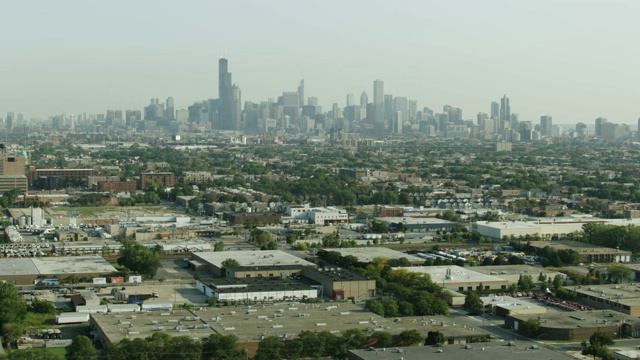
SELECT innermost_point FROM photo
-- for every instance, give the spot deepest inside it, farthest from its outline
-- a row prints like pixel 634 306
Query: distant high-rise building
pixel 401 104
pixel 495 110
pixel 413 109
pixel 169 109
pixel 364 99
pixel 290 104
pixel 388 107
pixel 350 100
pixel 312 100
pixel 481 118
pixel 505 109
pixel 525 131
pixel 599 123
pixel 230 113
pixel 9 122
pixel 546 122
pixel 301 94
pixel 378 99
pixel 397 123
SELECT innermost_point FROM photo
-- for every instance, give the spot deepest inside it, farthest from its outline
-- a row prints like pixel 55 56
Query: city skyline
pixel 576 68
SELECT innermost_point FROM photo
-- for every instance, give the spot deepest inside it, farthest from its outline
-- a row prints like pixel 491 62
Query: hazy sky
pixel 575 60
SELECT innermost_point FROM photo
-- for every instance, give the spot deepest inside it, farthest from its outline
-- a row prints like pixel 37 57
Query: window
pixel 503 287
pixel 486 287
pixel 470 288
pixel 248 275
pixel 461 288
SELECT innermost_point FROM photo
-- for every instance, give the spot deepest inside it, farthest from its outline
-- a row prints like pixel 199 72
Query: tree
pixel 42 307
pixel 529 327
pixel 219 246
pixel 81 348
pixel 312 345
pixel 525 282
pixel 391 309
pixel 473 303
pixel 375 307
pixel 382 338
pixel 598 346
pixel 354 338
pixel 410 337
pixel 269 348
pixel 13 310
pixel 228 264
pixel 434 338
pixel 220 347
pixel 138 258
pixel 619 273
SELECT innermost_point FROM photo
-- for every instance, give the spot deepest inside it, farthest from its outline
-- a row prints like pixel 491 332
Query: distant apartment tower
pixel 197 177
pixel 599 123
pixel 166 178
pixel 504 146
pixel 353 173
pixel 614 132
pixel 12 170
pixel 290 104
pixel 546 123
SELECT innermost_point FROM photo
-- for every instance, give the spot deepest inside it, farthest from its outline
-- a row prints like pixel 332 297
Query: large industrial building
pixel 257 290
pixel 588 253
pixel 459 278
pixel 27 270
pixel 268 263
pixel 341 284
pixel 545 228
pixel 624 298
pixel 315 215
pixel 368 254
pixel 419 224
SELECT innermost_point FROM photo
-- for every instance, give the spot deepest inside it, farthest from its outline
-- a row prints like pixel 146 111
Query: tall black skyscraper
pixel 229 95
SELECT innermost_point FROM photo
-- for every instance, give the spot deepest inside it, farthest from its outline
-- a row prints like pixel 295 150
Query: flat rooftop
pixel 458 274
pixel 510 225
pixel 73 265
pixel 512 273
pixel 250 324
pixel 336 274
pixel 577 246
pixel 478 351
pixel 367 254
pixel 256 284
pixel 55 265
pixel 253 258
pixel 557 318
pixel 512 303
pixel 409 220
pixel 140 325
pixel 625 294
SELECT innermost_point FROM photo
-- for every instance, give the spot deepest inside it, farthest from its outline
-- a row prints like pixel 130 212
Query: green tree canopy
pixel 138 258
pixel 81 348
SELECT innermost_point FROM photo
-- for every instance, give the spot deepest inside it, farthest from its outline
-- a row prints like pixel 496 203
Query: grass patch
pixel 42 353
pixel 39 321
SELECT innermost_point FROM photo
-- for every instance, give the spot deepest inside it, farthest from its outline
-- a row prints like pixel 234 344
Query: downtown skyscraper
pixel 230 114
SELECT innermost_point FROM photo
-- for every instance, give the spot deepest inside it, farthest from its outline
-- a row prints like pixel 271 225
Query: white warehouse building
pixel 315 215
